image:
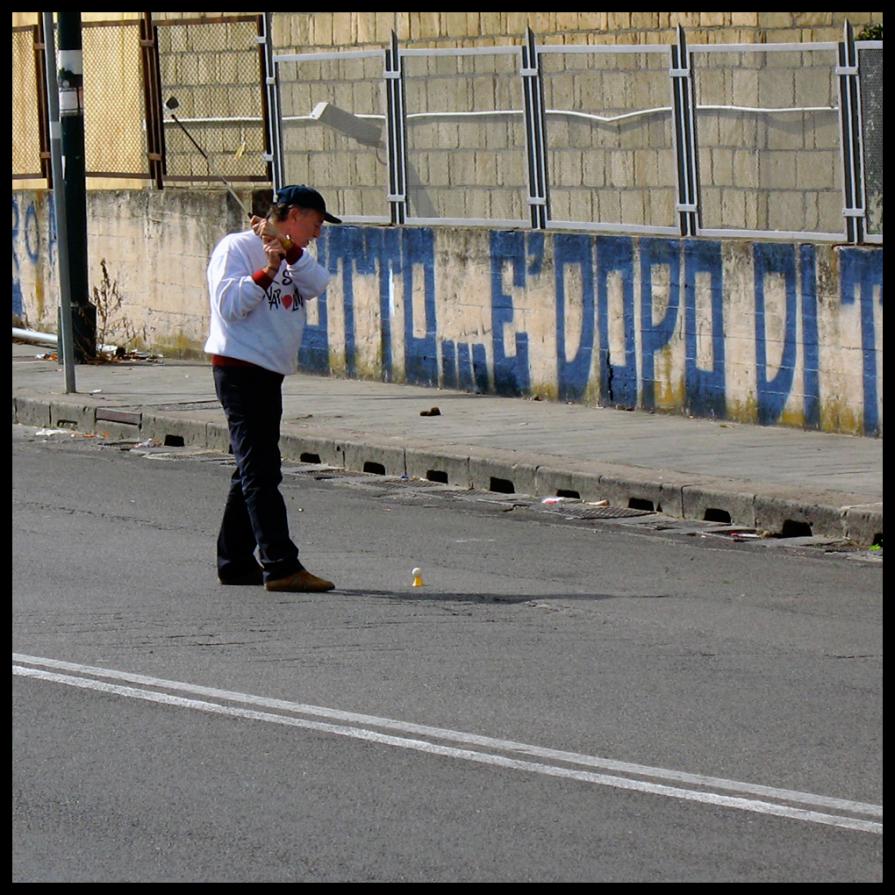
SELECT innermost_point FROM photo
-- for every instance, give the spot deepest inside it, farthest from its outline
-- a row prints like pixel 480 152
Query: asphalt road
pixel 565 699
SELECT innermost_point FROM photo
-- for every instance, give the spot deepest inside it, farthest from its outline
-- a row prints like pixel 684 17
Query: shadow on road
pixel 448 596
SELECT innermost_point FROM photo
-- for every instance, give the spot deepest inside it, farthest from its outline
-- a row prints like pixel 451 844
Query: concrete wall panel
pixel 771 333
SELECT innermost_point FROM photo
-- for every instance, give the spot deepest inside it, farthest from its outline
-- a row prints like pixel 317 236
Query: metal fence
pixel 781 140
pixel 770 140
pixel 28 112
pixel 870 61
pixel 115 135
pixel 215 67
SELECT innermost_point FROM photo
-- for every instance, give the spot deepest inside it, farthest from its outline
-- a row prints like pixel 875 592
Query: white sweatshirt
pixel 262 326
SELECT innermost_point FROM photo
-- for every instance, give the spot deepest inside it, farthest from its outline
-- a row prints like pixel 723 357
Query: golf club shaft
pixel 172 104
pixel 246 212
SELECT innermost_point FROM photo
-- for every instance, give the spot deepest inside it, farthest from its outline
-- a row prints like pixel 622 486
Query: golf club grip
pixel 283 239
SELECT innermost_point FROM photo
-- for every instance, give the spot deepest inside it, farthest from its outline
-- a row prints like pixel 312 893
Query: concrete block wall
pixel 779 171
pixel 353 173
pixel 457 166
pixel 620 171
pixel 320 30
pixel 758 332
pixel 461 166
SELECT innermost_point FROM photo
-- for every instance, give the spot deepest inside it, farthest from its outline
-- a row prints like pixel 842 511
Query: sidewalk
pixel 784 481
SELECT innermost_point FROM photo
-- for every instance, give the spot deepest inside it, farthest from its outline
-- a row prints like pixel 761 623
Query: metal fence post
pixel 396 145
pixel 262 41
pixel 685 135
pixel 40 55
pixel 274 135
pixel 849 118
pixel 155 145
pixel 533 92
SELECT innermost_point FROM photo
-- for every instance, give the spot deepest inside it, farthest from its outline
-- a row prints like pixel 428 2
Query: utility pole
pixel 65 337
pixel 70 77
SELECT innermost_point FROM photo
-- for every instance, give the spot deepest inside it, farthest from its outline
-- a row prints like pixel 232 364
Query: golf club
pixel 171 104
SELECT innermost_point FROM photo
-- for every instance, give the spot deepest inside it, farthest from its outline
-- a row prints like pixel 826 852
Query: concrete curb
pixel 772 508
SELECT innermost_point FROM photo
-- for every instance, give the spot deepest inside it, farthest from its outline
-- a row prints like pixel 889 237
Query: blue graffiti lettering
pixel 472 367
pixel 773 393
pixel 420 353
pixel 390 269
pixel 535 244
pixel 348 249
pixel 32 234
pixel 51 229
pixel 618 382
pixel 449 364
pixel 862 272
pixel 18 299
pixel 656 334
pixel 705 389
pixel 511 372
pixel 313 354
pixel 16 217
pixel 572 375
pixel 810 347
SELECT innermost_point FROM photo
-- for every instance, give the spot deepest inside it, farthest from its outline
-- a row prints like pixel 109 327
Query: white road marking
pixel 707 795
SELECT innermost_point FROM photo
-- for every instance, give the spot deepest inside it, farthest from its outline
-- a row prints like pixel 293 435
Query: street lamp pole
pixel 65 339
pixel 70 78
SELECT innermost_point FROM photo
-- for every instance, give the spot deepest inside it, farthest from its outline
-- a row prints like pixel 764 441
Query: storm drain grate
pixel 583 512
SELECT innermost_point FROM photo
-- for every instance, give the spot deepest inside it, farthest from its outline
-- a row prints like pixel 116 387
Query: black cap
pixel 304 197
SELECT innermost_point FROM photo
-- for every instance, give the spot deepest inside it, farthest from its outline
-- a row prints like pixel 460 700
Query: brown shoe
pixel 300 582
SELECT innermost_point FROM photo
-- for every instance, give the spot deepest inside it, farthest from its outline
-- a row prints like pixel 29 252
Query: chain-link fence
pixel 115 115
pixel 27 116
pixel 213 68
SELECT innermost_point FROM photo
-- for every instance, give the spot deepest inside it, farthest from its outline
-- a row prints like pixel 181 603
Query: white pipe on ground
pixel 50 340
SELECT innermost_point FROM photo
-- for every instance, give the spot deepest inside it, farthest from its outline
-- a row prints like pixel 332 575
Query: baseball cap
pixel 304 197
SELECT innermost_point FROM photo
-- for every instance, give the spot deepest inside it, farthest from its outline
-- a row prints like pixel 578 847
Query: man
pixel 259 281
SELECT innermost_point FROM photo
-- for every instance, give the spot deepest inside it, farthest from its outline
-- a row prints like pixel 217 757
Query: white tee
pixel 262 326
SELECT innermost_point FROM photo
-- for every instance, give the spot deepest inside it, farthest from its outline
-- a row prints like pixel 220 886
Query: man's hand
pixel 272 240
pixel 275 252
pixel 264 228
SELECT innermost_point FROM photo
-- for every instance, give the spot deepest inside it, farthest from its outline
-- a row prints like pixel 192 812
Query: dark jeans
pixel 255 514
